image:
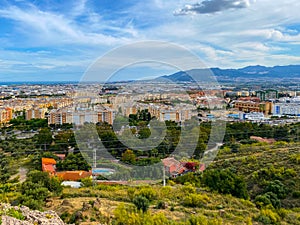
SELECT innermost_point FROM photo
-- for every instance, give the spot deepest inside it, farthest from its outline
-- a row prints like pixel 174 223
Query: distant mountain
pixel 255 72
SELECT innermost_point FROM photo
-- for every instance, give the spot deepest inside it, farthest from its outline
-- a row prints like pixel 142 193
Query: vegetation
pixel 248 183
pixel 73 162
pixel 37 188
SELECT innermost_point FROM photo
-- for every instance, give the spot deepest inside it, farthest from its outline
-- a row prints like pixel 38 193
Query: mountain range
pixel 249 72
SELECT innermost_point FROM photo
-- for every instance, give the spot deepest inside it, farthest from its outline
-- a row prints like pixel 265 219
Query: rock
pixel 66 202
pixel 32 217
pixel 85 206
pixel 79 215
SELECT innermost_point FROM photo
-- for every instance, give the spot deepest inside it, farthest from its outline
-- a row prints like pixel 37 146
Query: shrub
pixel 267 199
pixel 267 216
pixel 161 205
pixel 191 178
pixel 277 188
pixel 296 194
pixel 141 203
pixel 226 182
pixel 188 189
pixel 148 193
pixel 195 200
pixel 86 182
pixel 197 220
pixel 16 214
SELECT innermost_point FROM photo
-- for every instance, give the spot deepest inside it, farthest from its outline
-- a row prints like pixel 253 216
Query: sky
pixel 58 40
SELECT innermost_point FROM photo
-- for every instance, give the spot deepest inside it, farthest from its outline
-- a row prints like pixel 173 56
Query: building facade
pixel 6 114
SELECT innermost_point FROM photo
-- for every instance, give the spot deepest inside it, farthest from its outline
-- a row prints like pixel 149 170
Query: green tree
pixel 128 156
pixel 144 133
pixel 73 162
pixel 44 138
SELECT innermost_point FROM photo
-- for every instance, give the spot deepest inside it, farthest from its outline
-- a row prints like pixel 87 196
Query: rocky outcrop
pixel 7 220
pixel 29 217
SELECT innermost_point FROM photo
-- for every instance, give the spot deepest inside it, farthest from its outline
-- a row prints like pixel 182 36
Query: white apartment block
pixel 286 109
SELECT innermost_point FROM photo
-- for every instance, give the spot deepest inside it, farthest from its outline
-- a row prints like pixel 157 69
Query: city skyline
pixel 58 40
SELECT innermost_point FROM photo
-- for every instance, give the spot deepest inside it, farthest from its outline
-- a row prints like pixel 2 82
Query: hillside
pixel 187 199
pixel 249 72
pixel 248 183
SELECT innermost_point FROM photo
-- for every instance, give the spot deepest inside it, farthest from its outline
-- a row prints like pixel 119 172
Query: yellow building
pixel 5 115
pixel 249 106
pixel 38 113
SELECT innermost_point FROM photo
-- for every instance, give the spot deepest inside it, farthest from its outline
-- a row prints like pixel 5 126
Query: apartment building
pixel 35 113
pixel 5 115
pixel 251 106
pixel 286 109
pixel 178 114
pixel 60 116
pixel 79 116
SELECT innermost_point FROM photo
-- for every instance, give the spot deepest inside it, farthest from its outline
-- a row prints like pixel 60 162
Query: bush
pixel 198 220
pixel 37 187
pixel 32 203
pixel 267 199
pixel 55 185
pixel 277 188
pixel 296 194
pixel 226 182
pixel 161 205
pixel 86 182
pixel 15 214
pixel 195 200
pixel 267 216
pixel 141 203
pixel 191 178
pixel 148 193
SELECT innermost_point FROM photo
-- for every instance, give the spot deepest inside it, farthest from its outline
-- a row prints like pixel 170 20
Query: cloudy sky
pixel 59 39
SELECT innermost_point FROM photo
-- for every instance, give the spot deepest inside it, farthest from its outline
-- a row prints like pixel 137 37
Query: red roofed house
pixel 174 167
pixel 49 165
pixel 194 166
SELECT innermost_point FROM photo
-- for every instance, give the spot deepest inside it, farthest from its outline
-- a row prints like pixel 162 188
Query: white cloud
pixel 47 28
pixel 262 33
pixel 212 6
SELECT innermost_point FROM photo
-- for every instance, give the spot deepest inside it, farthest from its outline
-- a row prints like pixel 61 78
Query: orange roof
pixel 48 161
pixel 48 168
pixel 73 175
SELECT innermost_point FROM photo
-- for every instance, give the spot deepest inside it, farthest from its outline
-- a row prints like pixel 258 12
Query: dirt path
pixel 21 173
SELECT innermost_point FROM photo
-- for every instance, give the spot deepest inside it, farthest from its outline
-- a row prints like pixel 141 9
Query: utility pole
pixel 94 166
pixel 95 158
pixel 164 175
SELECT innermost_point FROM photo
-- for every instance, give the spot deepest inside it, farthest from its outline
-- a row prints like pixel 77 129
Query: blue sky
pixel 59 39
